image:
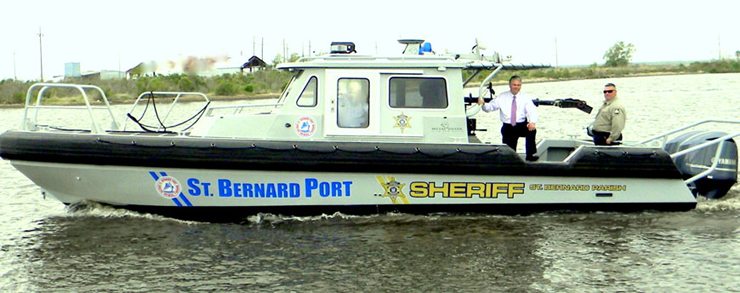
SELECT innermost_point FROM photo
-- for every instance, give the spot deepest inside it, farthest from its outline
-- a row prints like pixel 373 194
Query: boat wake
pixel 272 219
pixel 94 209
pixel 730 202
pixel 355 220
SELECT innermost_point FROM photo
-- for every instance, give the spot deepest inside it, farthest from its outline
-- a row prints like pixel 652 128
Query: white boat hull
pixel 173 187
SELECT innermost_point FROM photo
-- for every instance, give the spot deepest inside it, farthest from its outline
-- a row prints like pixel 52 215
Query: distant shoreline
pixel 546 80
pixel 277 95
pixel 185 99
pixel 269 83
pixel 269 96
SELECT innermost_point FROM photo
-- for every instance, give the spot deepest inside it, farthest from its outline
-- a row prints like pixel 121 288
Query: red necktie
pixel 513 111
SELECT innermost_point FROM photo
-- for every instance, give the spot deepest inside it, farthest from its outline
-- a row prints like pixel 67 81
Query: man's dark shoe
pixel 532 158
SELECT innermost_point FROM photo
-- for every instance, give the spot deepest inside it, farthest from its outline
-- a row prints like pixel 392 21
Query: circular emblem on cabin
pixel 168 187
pixel 305 127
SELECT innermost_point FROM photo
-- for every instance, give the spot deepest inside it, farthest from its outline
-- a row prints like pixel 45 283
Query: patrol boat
pixel 354 134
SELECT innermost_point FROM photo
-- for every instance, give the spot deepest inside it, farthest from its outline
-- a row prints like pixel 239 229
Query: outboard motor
pixel 718 182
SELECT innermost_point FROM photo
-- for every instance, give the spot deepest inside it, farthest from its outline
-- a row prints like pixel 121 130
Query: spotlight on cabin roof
pixel 342 47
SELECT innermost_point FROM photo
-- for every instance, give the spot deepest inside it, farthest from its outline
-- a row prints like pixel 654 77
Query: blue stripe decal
pixel 154 175
pixel 185 200
pixel 163 174
pixel 177 202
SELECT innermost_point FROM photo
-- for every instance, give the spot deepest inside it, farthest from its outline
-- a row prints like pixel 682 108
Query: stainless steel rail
pixel 43 87
pixel 719 141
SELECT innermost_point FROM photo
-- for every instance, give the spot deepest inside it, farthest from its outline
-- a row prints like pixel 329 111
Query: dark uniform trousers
pixel 511 135
pixel 600 137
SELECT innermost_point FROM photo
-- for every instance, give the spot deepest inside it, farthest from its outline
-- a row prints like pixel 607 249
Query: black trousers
pixel 600 137
pixel 511 135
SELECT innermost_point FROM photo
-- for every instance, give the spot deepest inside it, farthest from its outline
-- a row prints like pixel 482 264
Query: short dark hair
pixel 515 77
pixel 611 85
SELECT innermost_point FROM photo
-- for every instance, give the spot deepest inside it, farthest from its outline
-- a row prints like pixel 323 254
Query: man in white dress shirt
pixel 518 114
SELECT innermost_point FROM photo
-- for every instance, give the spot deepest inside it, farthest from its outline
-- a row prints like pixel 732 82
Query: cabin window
pixel 418 92
pixel 309 96
pixel 353 96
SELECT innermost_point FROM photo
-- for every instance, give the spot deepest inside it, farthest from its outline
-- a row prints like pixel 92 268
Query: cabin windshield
pixel 289 87
pixel 309 96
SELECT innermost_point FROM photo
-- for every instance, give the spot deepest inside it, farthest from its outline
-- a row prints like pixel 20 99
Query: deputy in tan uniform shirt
pixel 611 118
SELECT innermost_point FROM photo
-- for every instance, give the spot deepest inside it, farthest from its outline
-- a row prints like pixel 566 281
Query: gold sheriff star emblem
pixel 402 121
pixel 393 189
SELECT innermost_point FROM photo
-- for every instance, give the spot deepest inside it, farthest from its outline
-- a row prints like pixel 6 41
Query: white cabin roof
pixel 367 61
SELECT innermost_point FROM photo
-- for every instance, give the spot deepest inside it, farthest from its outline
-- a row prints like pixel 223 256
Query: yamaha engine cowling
pixel 715 184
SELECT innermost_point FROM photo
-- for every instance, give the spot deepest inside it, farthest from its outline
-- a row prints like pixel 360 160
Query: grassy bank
pixel 228 86
pixel 270 82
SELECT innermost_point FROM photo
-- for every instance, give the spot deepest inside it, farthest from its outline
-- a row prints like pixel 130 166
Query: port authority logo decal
pixel 402 121
pixel 305 126
pixel 393 189
pixel 169 187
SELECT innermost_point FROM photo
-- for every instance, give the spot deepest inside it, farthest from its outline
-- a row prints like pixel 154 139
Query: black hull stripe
pixel 228 154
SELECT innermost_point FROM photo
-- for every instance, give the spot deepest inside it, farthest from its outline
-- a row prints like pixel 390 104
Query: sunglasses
pixel 608 91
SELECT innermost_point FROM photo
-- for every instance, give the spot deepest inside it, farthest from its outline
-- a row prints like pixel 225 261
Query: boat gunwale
pixel 313 156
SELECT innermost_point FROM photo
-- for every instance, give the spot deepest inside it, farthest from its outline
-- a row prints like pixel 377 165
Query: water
pixel 45 247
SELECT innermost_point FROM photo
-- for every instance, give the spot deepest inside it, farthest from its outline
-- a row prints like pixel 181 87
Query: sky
pixel 118 35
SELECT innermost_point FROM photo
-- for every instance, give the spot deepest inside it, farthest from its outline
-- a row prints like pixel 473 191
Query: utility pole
pixel 556 51
pixel 41 55
pixel 15 76
pixel 719 49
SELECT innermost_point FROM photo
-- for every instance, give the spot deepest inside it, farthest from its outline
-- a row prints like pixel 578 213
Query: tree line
pixel 270 81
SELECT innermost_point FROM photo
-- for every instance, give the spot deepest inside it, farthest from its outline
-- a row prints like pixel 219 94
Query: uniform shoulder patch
pixel 616 111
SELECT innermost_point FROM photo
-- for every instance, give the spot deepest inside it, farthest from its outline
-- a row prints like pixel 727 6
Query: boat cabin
pixel 348 97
